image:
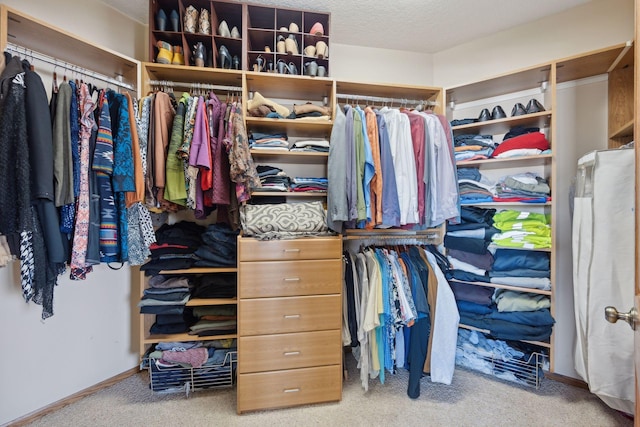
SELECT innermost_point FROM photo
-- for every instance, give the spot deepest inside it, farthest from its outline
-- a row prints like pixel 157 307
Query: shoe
pixel 235 33
pixel 270 67
pixel 165 53
pixel 259 64
pixel 223 29
pixel 291 45
pixel 322 71
pixel 267 49
pixel 225 58
pixel 310 51
pixel 282 66
pixel 317 29
pixel 497 113
pixel 484 115
pixel 204 24
pixel 235 62
pixel 293 28
pixel 321 50
pixel 199 54
pixel 293 69
pixel 311 68
pixel 518 110
pixel 190 19
pixel 174 18
pixel 161 20
pixel 178 56
pixel 281 45
pixel 534 106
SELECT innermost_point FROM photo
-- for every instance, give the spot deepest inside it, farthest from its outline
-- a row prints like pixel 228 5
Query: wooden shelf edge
pixel 286 194
pixel 301 122
pixel 507 287
pixel 539 157
pixel 625 131
pixel 201 270
pixel 267 152
pixel 197 302
pixel 153 339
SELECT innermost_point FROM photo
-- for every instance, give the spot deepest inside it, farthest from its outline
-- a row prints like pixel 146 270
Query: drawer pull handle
pixel 291 316
pixel 291 279
pixel 291 390
pixel 291 353
pixel 291 250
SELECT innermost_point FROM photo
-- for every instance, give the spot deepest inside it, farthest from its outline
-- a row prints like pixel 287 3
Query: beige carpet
pixel 472 399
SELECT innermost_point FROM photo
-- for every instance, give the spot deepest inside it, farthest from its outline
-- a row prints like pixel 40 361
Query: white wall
pixel 373 65
pixel 595 25
pixel 581 113
pixel 90 337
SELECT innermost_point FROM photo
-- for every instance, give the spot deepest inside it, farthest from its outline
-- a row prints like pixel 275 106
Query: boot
pixel 178 56
pixel 165 53
pixel 174 18
pixel 204 25
pixel 190 19
pixel 161 20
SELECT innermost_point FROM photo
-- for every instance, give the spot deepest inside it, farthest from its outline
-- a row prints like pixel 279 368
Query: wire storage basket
pixel 527 371
pixel 176 379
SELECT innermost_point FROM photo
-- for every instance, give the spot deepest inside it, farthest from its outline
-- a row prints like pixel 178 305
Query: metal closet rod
pixel 170 83
pixel 384 99
pixel 29 53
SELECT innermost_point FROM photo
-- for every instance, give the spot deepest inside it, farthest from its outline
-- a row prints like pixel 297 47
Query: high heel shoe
pixel 281 45
pixel 291 45
pixel 190 20
pixel 161 20
pixel 204 24
pixel 223 29
pixel 225 57
pixel 235 33
pixel 199 54
pixel 311 68
pixel 259 64
pixel 293 28
pixel 321 49
pixel 174 18
pixel 235 62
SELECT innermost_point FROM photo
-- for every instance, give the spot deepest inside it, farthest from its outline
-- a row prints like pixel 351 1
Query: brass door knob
pixel 613 315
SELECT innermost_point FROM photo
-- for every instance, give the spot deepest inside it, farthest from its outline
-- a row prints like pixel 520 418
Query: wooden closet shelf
pixel 625 131
pixel 153 339
pixel 508 287
pixel 508 162
pixel 291 126
pixel 291 156
pixel 196 302
pixel 201 270
pixel 184 73
pixel 494 127
pixel 287 194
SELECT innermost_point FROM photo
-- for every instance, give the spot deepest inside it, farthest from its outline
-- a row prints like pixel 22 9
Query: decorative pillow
pixel 284 220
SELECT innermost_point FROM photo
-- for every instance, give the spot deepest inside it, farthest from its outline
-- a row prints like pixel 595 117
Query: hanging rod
pixel 29 53
pixel 206 86
pixel 384 99
pixel 394 234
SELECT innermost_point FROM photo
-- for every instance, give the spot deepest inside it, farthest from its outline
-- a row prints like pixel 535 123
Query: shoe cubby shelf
pixel 494 127
pixel 511 162
pixel 248 33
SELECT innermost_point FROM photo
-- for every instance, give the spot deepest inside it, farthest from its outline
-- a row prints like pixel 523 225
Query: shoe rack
pixel 210 36
pixel 240 36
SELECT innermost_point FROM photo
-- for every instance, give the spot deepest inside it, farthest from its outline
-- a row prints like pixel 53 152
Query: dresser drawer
pixel 289 278
pixel 279 389
pixel 288 351
pixel 250 249
pixel 289 314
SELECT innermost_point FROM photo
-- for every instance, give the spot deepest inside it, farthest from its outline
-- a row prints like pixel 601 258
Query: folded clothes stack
pixel 311 185
pixel 273 178
pixel 317 145
pixel 270 141
pixel 523 187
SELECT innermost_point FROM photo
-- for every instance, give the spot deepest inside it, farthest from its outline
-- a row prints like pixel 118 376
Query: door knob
pixel 613 315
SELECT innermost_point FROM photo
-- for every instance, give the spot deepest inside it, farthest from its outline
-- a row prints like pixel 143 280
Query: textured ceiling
pixel 425 26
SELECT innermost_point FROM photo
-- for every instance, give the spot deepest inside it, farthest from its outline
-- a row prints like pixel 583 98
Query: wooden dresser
pixel 289 322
